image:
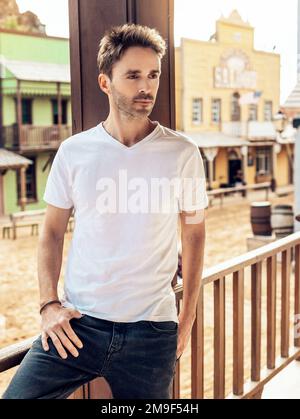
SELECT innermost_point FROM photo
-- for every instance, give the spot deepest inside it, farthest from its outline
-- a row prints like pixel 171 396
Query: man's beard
pixel 127 106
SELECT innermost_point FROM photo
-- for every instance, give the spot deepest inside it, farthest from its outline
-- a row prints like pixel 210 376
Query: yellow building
pixel 227 94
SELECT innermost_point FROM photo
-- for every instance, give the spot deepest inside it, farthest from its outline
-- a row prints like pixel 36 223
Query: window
pixel 237 37
pixel 64 106
pixel 263 160
pixel 26 111
pixel 216 111
pixel 197 111
pixel 253 112
pixel 268 111
pixel 31 194
pixel 235 108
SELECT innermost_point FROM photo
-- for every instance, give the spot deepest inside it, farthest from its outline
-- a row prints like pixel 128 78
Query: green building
pixel 35 114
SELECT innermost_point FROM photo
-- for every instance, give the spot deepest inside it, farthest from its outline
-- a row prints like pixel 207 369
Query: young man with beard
pixel 118 318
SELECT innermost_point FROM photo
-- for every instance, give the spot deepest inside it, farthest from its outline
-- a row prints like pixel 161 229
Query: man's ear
pixel 104 83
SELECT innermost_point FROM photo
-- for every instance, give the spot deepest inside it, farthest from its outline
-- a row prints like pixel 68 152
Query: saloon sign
pixel 235 72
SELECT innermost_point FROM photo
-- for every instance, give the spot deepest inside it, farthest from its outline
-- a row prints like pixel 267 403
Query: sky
pixel 275 25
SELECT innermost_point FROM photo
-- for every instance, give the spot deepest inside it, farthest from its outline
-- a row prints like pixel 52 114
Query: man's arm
pixel 50 250
pixel 55 319
pixel 193 242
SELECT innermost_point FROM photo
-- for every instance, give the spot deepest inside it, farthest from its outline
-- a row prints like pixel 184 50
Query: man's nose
pixel 145 87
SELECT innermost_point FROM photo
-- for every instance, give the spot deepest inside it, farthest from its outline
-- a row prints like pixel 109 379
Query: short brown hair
pixel 119 38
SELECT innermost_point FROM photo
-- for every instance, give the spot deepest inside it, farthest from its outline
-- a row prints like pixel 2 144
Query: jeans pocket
pixel 164 326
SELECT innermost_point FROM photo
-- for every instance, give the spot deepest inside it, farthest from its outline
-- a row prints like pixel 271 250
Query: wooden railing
pixel 221 192
pixel 34 138
pixel 233 273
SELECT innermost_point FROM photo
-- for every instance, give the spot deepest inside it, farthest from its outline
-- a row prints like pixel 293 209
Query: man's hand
pixel 56 325
pixel 185 326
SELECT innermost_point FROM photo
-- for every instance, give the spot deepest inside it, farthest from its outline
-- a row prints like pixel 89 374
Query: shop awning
pixel 215 139
pixel 293 101
pixel 10 160
pixel 38 71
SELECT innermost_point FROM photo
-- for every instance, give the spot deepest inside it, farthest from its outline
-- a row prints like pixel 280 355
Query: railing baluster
pixel 238 332
pixel 176 382
pixel 256 276
pixel 297 296
pixel 219 339
pixel 285 302
pixel 271 312
pixel 197 358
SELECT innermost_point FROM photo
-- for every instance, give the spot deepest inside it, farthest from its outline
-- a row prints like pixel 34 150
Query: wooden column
pixel 210 174
pixel 1 194
pixel 59 108
pixel 87 26
pixel 23 198
pixel 19 113
pixel 1 110
pixel 210 154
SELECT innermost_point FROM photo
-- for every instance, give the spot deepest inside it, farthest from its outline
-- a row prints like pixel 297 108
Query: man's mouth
pixel 143 101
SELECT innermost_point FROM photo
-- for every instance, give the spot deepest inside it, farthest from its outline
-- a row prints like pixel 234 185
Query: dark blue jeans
pixel 137 359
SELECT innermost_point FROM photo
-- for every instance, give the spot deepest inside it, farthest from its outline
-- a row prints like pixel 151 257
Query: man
pixel 118 318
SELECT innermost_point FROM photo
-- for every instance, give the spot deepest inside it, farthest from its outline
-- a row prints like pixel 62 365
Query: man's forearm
pixel 192 268
pixel 50 252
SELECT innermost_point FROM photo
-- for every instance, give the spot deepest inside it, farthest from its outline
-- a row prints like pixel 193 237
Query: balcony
pixel 32 138
pixel 251 130
pixel 236 361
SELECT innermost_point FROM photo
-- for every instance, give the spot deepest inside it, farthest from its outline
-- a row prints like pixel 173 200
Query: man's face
pixel 135 82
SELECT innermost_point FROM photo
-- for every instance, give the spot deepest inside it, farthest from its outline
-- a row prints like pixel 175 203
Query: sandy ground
pixel 227 229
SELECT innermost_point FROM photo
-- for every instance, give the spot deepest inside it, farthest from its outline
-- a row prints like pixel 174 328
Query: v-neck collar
pixel 113 140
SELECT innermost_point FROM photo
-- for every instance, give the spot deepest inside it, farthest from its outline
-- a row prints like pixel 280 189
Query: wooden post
pixel 19 114
pixel 238 332
pixel 256 279
pixel 1 194
pixel 285 302
pixel 23 198
pixel 271 311
pixel 197 351
pixel 219 338
pixel 1 110
pixel 59 107
pixel 210 172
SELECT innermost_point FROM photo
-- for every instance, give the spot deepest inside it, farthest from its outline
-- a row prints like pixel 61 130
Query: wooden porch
pixel 258 352
pixel 33 138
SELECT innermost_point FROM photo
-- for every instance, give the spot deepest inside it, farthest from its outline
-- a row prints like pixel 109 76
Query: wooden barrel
pixel 282 220
pixel 261 218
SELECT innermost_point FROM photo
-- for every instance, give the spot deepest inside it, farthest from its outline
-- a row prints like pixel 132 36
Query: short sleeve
pixel 58 191
pixel 193 195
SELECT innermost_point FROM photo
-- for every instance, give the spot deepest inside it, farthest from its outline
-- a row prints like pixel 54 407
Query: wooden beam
pixel 1 110
pixel 256 277
pixel 219 339
pixel 197 351
pixel 271 312
pixel 23 198
pixel 238 332
pixel 1 194
pixel 285 302
pixel 19 113
pixel 59 109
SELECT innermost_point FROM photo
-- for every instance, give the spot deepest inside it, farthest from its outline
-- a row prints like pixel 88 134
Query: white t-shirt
pixel 124 252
